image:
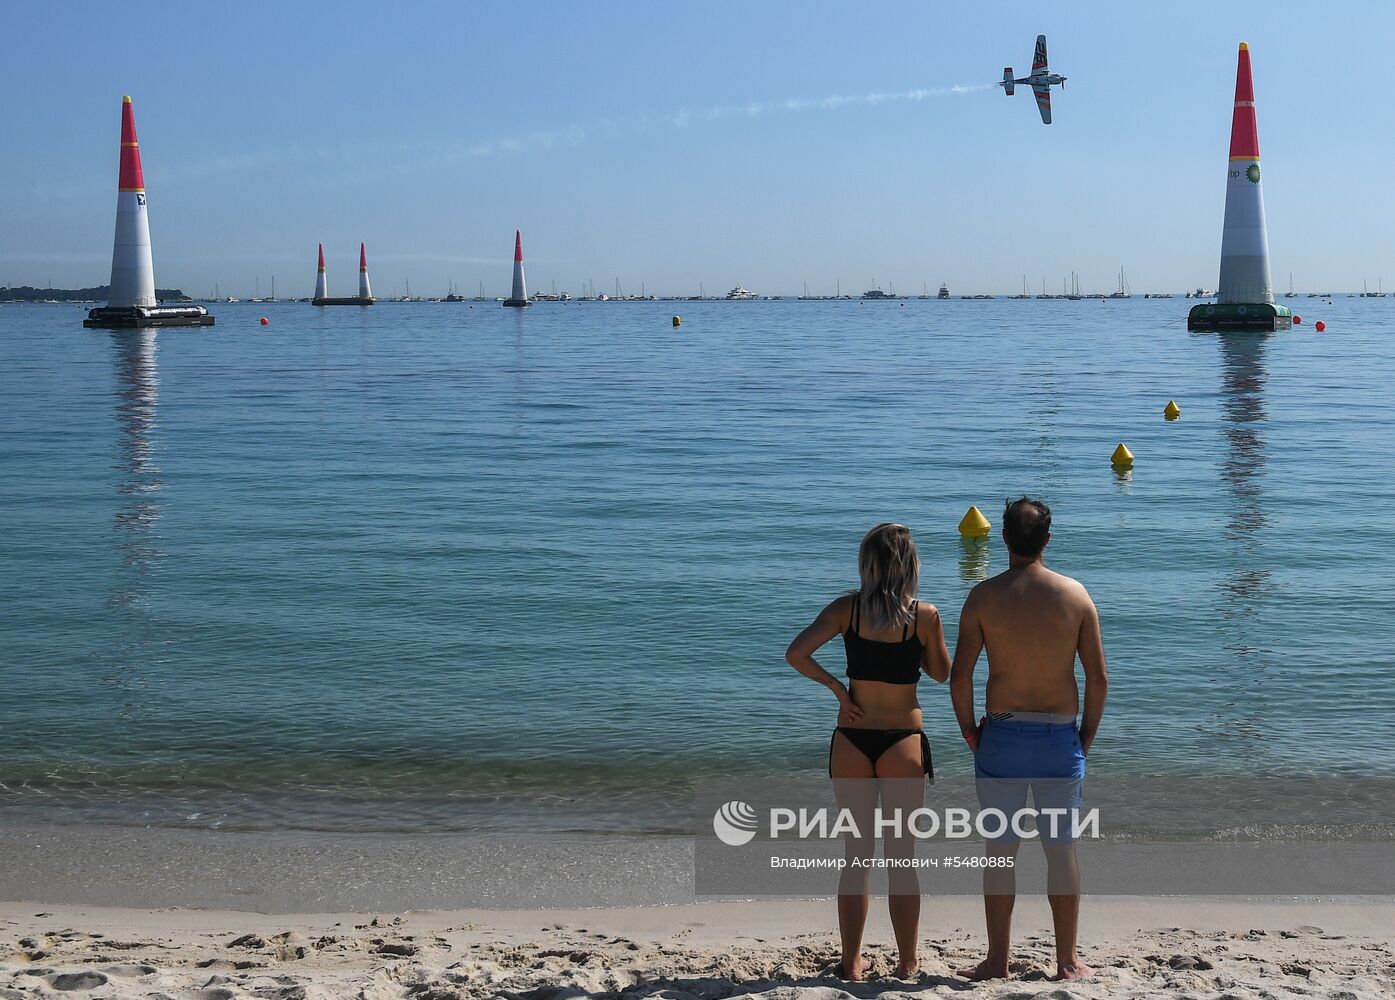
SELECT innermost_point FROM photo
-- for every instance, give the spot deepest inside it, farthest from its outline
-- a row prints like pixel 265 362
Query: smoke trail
pixel 684 117
pixel 835 102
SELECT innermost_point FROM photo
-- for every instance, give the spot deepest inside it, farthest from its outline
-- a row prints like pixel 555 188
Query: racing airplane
pixel 1040 81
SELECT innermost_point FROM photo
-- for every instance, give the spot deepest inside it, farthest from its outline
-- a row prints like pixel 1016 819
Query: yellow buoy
pixel 974 524
pixel 1122 457
pixel 1172 411
pixel 677 321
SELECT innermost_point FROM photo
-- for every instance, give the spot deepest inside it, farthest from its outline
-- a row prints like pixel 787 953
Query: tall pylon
pixel 519 297
pixel 1245 294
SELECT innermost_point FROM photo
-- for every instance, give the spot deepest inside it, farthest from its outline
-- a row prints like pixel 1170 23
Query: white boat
pixel 741 293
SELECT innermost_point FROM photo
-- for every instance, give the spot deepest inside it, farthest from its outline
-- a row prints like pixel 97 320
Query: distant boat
pixel 1366 293
pixel 1289 294
pixel 876 294
pixel 943 293
pixel 1024 294
pixel 741 293
pixel 1123 291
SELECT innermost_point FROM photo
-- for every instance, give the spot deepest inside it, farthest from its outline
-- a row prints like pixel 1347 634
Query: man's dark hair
pixel 1026 523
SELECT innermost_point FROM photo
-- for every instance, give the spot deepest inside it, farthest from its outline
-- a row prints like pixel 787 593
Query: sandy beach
pixel 1342 950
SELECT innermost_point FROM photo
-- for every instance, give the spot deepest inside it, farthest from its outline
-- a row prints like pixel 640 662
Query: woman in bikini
pixel 890 638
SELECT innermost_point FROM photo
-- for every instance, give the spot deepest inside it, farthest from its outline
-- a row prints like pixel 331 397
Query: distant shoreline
pixel 28 293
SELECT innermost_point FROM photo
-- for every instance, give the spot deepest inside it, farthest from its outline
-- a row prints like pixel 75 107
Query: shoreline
pixel 305 871
pixel 1140 948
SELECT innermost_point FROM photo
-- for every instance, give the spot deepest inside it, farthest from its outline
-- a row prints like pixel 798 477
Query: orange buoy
pixel 1319 326
pixel 265 321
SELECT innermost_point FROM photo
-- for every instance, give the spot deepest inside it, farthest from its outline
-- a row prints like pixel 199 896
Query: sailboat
pixel 1289 294
pixel 1123 292
pixel 1024 294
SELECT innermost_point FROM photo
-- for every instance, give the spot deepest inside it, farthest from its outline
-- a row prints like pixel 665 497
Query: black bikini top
pixel 888 662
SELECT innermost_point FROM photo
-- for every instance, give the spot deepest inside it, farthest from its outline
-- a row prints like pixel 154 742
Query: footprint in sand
pixel 128 971
pixel 68 982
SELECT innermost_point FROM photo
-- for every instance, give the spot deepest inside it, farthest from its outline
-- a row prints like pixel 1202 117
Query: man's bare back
pixel 1032 621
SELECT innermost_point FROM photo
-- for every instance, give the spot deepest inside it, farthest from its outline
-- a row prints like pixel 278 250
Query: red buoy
pixel 1319 326
pixel 264 321
pixel 1298 321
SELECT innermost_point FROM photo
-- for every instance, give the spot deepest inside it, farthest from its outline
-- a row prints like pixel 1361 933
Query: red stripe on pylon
pixel 362 258
pixel 518 246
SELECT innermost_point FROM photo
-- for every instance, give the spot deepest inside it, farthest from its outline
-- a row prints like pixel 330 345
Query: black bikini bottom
pixel 872 743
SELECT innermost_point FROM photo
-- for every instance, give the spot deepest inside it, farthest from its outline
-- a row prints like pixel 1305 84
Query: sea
pixel 437 566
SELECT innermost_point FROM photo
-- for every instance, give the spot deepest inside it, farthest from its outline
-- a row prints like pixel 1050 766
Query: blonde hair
pixel 889 566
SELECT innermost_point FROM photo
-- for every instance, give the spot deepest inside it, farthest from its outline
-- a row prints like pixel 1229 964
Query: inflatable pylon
pixel 1245 294
pixel 131 299
pixel 518 298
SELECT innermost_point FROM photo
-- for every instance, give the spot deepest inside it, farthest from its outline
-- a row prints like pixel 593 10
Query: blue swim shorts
pixel 1044 758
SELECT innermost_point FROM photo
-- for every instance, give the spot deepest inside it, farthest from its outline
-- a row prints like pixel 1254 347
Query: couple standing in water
pixel 1033 623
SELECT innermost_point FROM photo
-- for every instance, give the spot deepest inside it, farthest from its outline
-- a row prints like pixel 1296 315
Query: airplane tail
pixel 1008 81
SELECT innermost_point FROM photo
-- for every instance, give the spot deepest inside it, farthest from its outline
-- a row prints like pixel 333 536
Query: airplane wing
pixel 1039 57
pixel 1043 93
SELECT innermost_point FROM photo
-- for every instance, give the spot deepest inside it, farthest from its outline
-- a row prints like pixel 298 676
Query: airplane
pixel 1040 81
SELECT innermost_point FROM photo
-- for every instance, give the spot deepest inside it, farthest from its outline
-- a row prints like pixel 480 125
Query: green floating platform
pixel 1258 317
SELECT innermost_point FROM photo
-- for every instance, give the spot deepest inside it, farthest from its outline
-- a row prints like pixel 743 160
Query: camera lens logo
pixel 734 823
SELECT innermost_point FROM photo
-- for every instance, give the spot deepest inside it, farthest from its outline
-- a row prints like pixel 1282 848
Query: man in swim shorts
pixel 1033 622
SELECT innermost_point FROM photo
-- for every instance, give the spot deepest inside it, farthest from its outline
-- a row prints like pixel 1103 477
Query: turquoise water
pixel 433 566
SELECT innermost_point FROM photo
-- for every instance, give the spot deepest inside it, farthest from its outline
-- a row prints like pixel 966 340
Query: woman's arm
pixel 936 659
pixel 800 655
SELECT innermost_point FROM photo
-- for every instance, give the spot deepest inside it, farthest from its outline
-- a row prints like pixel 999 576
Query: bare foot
pixel 1074 969
pixel 854 970
pixel 985 970
pixel 907 968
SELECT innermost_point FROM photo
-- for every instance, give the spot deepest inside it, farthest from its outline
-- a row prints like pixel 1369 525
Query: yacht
pixel 741 293
pixel 943 292
pixel 877 293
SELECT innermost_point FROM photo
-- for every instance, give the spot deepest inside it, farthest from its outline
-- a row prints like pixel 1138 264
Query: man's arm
pixel 961 673
pixel 1090 646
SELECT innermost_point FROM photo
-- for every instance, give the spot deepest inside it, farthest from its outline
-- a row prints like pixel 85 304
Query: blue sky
pixel 653 142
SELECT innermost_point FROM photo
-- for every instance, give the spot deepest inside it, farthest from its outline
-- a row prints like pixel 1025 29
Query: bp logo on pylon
pixel 1253 173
